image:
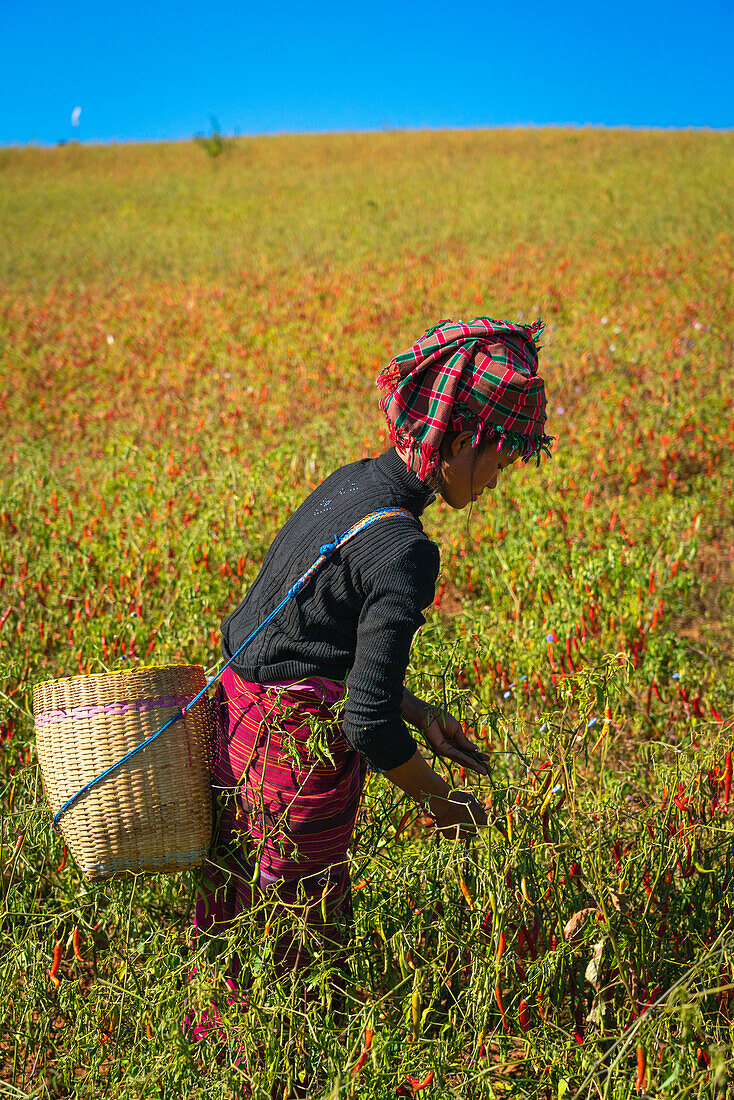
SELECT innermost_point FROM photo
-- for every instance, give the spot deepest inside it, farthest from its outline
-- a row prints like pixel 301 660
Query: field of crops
pixel 188 344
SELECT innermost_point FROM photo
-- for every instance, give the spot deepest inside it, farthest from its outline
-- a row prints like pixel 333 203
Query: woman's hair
pixel 436 478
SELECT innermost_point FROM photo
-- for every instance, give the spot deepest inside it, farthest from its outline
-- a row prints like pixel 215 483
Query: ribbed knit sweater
pixel 356 619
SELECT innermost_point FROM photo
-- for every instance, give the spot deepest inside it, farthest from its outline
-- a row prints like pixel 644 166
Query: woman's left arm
pixel 443 733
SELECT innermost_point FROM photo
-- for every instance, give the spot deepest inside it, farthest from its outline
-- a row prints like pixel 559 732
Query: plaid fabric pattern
pixel 480 376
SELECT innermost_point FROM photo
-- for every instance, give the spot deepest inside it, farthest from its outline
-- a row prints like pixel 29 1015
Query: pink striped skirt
pixel 288 786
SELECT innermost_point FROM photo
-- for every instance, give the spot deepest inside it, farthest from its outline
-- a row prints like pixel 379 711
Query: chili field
pixel 189 344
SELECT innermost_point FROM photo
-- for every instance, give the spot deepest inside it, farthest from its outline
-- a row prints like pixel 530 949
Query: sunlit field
pixel 188 345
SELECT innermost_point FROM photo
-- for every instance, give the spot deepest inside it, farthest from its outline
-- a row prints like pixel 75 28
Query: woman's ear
pixel 458 443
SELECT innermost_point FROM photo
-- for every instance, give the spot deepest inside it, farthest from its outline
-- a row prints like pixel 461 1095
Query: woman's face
pixel 467 474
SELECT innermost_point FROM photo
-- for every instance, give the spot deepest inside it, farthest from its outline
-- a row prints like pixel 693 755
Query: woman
pixel 462 404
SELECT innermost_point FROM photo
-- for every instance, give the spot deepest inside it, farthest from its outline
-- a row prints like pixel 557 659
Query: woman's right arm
pixel 450 809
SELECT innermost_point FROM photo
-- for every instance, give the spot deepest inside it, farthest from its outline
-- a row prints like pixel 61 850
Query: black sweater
pixel 357 617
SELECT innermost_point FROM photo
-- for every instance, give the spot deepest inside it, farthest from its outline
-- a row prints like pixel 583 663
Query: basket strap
pixel 325 553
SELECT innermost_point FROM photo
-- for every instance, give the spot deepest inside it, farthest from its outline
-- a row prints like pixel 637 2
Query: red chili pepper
pixel 500 946
pixel 56 963
pixel 107 1027
pixel 529 941
pixel 402 823
pixel 77 950
pixel 364 1055
pixel 641 1066
pixel 63 860
pixel 727 780
pixel 524 1015
pixel 417 1085
pixel 500 1006
pixel 359 1063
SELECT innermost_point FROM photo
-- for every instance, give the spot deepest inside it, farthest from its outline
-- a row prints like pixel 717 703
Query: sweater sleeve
pixel 390 616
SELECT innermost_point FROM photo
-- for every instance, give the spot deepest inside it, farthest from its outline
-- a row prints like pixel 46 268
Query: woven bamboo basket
pixel 154 812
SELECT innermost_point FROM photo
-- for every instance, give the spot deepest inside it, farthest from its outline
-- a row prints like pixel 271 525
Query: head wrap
pixel 480 376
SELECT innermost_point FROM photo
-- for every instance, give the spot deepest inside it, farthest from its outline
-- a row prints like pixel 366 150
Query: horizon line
pixel 37 143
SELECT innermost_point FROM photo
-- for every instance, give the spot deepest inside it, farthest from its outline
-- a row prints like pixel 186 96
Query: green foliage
pixel 214 145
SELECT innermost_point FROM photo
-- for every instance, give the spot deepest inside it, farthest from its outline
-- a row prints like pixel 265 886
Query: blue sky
pixel 158 70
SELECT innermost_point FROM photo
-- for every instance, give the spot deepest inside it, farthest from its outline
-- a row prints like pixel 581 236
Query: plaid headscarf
pixel 481 376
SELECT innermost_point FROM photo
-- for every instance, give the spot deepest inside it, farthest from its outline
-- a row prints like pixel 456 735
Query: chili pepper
pixel 617 855
pixel 77 950
pixel 63 860
pixel 402 823
pixel 500 1006
pixel 551 790
pixel 524 890
pixel 500 946
pixel 16 849
pixel 465 892
pixel 727 780
pixel 364 1055
pixel 524 1015
pixel 417 1085
pixel 56 963
pixel 415 1007
pixel 529 941
pixel 359 1063
pixel 148 1029
pixel 641 1066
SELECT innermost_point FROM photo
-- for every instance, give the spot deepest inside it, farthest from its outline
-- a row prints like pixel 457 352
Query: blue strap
pixel 325 553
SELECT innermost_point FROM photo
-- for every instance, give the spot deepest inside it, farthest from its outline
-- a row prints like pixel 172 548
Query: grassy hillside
pixel 188 345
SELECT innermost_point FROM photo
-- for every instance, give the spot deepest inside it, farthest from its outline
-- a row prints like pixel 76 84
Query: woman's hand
pixel 458 814
pixel 443 734
pixel 446 737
